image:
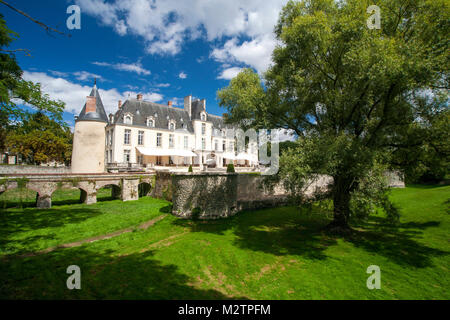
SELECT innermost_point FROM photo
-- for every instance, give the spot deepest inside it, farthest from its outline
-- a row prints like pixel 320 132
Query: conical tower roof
pixel 99 114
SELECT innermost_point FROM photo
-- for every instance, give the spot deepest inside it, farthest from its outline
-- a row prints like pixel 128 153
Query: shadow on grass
pixel 286 231
pixel 29 219
pixel 396 242
pixel 166 209
pixel 103 276
pixel 278 231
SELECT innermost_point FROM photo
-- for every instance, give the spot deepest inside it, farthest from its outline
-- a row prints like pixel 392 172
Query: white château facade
pixel 149 135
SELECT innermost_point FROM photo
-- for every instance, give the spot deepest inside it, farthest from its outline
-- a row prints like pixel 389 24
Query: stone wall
pixel 163 185
pixel 208 195
pixel 204 195
pixel 218 195
pixel 25 169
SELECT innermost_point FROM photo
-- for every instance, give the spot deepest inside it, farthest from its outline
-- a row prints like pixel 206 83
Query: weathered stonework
pixel 220 195
pixel 163 185
pixel 130 189
pixel 204 195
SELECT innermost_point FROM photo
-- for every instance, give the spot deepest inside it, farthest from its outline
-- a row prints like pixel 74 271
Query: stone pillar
pixel 88 197
pixel 88 192
pixel 130 189
pixel 43 201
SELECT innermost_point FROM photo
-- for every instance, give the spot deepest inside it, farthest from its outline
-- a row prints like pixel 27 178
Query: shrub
pixel 230 168
pixel 190 169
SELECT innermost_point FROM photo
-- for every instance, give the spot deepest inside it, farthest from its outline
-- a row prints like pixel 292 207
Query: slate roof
pixel 99 114
pixel 141 110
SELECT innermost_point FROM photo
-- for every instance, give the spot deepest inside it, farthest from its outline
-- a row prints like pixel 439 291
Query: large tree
pixel 349 92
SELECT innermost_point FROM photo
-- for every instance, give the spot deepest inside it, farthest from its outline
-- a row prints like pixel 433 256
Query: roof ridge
pixel 158 104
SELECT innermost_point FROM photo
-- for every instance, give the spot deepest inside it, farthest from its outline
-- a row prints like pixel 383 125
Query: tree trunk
pixel 341 204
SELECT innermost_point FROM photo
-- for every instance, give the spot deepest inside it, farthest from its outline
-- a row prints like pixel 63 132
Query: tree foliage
pixel 349 92
pixel 40 139
pixel 15 91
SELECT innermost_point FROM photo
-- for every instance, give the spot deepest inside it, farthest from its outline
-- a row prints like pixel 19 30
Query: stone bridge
pixel 124 186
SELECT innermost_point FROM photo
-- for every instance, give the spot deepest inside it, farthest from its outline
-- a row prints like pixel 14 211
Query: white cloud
pixel 79 75
pixel 84 75
pixel 163 85
pixel 182 75
pixel 129 67
pixel 166 24
pixel 229 73
pixel 256 53
pixel 74 95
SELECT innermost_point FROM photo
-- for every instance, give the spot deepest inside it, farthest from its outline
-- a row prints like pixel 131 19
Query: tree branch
pixel 43 25
pixel 27 52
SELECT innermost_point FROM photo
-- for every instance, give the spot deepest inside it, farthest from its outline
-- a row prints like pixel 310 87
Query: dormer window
pixel 128 119
pixel 150 122
pixel 171 125
pixel 203 116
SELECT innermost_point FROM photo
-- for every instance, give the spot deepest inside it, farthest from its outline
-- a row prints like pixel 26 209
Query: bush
pixel 230 168
pixel 190 169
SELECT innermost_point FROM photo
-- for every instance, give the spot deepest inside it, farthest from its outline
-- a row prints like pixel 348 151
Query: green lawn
pixel 265 254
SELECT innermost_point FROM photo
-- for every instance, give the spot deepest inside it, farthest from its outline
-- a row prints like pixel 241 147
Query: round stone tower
pixel 88 152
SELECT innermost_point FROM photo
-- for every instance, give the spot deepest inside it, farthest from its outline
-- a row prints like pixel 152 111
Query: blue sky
pixel 163 49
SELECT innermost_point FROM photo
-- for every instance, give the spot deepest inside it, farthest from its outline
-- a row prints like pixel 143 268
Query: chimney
pixel 203 104
pixel 188 105
pixel 120 104
pixel 169 103
pixel 139 96
pixel 91 104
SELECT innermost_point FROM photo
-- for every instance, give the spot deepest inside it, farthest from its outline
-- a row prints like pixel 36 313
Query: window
pixel 126 156
pixel 107 138
pixel 141 138
pixel 128 119
pixel 203 129
pixel 158 139
pixel 216 145
pixel 111 137
pixel 140 159
pixel 203 117
pixel 150 123
pixel 171 125
pixel 186 142
pixel 158 160
pixel 223 145
pixel 223 133
pixel 170 140
pixel 127 136
pixel 231 146
pixel 110 156
pixel 203 144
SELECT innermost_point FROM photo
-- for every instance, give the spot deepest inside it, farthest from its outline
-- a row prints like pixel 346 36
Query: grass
pixel 265 254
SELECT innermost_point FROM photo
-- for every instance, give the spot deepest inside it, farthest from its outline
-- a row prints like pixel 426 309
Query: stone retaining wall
pixel 219 195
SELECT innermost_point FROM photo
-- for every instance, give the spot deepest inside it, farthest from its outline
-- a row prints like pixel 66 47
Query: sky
pixel 164 49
